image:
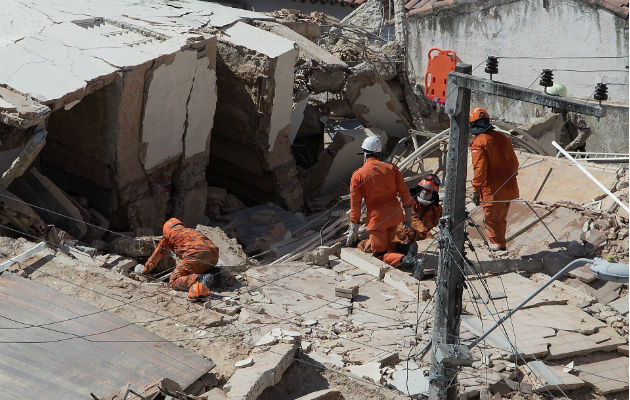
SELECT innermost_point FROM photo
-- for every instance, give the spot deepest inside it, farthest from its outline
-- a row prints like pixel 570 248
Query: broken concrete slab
pixel 571 344
pixel 230 251
pixel 406 284
pixel 27 154
pixel 553 377
pixel 338 161
pixel 20 110
pixel 411 382
pixel 607 376
pixel 608 292
pixel 248 383
pixel 370 371
pixel 255 71
pixel 132 246
pixel 563 183
pixel 373 102
pixel 620 305
pixel 365 262
pixel 39 190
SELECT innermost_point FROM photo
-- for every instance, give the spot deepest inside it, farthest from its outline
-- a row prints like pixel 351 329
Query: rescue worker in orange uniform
pixel 197 269
pixel 426 210
pixel 495 168
pixel 379 184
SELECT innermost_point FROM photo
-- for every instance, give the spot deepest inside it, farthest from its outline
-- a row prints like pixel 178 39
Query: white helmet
pixel 372 144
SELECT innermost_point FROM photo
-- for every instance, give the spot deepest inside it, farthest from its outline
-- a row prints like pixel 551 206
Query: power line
pixel 560 57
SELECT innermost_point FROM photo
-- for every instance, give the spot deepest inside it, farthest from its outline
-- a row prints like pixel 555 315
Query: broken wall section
pixel 137 147
pixel 250 152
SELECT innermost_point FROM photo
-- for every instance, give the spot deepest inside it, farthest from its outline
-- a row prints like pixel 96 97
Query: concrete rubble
pixel 247 126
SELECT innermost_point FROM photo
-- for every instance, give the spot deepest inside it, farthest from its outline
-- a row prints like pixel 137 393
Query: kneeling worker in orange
pixel 379 183
pixel 495 168
pixel 197 270
pixel 426 210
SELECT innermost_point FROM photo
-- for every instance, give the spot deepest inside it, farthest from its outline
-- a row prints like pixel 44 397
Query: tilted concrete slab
pixel 61 362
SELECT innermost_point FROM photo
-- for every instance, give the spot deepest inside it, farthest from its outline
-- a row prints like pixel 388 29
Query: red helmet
pixel 431 182
pixel 426 184
pixel 170 224
pixel 198 291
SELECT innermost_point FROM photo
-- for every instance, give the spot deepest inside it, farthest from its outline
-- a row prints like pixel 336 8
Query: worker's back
pixel 379 183
pixel 186 241
pixel 500 165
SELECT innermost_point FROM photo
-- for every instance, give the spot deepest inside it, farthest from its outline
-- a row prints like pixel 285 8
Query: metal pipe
pixel 591 177
pixel 569 267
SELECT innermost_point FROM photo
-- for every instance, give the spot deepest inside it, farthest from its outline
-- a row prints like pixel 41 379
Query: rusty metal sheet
pixel 50 361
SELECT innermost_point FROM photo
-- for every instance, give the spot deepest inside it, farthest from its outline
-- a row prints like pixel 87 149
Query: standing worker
pixel 197 270
pixel 426 210
pixel 574 131
pixel 380 183
pixel 495 168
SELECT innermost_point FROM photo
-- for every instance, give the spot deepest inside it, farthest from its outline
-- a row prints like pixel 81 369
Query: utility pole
pixel 449 282
pixel 446 353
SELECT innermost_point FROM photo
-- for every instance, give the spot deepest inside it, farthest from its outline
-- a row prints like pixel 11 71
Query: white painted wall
pixel 165 109
pixel 201 107
pixel 282 107
pixel 525 28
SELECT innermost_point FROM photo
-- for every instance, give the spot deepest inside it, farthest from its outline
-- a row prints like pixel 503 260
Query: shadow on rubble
pixel 303 377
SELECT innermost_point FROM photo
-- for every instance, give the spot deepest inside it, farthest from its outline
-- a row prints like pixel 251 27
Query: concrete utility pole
pixel 446 353
pixel 449 282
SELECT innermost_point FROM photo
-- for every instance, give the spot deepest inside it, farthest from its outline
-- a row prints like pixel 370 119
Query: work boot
pixel 214 278
pixel 410 249
pixel 413 249
pixel 415 263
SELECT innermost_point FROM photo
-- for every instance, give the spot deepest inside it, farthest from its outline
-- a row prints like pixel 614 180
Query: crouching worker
pixel 379 184
pixel 426 211
pixel 197 270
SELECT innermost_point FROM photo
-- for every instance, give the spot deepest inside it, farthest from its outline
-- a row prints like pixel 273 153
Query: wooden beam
pixel 523 94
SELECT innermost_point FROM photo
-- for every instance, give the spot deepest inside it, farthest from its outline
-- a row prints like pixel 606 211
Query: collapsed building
pixel 119 115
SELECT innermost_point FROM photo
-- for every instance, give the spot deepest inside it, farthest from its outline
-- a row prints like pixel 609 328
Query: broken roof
pixel 58 56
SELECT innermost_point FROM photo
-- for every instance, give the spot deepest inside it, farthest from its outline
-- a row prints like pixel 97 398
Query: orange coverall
pixel 424 219
pixel 379 183
pixel 495 166
pixel 197 252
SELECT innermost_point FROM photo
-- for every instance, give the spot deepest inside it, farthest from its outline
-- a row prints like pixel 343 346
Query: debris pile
pixel 247 127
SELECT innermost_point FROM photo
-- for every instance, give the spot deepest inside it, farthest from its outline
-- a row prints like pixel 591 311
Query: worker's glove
pixel 474 197
pixel 408 216
pixel 139 269
pixel 353 233
pixel 147 268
